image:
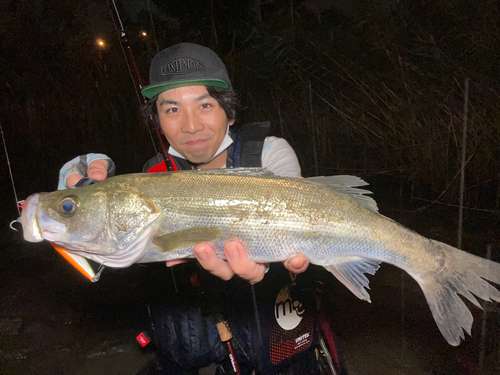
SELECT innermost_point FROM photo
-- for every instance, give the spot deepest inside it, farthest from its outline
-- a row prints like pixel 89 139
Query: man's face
pixel 193 122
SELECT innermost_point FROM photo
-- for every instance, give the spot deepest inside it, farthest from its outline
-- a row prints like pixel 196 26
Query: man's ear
pixel 231 122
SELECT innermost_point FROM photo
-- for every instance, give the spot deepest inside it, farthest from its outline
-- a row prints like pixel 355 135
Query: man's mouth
pixel 197 142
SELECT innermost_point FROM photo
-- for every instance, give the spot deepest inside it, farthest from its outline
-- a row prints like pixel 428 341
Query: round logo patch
pixel 288 313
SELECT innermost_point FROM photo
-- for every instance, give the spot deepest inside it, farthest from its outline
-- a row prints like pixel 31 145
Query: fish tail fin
pixel 461 273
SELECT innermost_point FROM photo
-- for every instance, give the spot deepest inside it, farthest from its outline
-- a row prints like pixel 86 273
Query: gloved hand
pixel 83 170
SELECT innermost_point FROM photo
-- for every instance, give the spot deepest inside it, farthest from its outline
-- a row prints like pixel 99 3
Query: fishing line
pixel 18 203
pixel 118 15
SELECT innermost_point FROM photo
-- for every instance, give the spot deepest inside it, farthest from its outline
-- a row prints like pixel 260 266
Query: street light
pixel 100 43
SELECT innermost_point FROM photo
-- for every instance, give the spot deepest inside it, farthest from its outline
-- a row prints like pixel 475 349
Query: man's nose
pixel 192 123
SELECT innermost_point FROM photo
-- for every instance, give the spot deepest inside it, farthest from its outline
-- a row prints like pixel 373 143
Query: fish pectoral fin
pixel 351 274
pixel 187 237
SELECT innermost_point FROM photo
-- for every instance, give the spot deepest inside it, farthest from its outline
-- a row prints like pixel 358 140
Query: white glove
pixel 79 166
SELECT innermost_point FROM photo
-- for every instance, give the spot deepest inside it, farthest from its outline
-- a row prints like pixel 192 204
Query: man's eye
pixel 172 110
pixel 206 105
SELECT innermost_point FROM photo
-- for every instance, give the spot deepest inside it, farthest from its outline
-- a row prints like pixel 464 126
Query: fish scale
pixel 156 217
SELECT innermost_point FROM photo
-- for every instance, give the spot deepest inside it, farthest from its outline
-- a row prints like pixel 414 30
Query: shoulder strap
pixel 157 164
pixel 182 164
pixel 246 151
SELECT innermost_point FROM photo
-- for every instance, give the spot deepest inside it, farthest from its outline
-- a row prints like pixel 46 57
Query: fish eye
pixel 68 206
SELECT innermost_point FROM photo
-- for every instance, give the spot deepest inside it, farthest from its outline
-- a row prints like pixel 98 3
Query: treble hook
pixel 18 220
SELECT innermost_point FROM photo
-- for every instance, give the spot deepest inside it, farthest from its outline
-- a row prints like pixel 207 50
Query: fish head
pixel 102 219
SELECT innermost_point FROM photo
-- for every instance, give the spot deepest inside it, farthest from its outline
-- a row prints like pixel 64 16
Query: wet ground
pixel 54 322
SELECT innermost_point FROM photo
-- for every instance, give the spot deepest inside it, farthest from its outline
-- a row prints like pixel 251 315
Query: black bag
pixel 270 336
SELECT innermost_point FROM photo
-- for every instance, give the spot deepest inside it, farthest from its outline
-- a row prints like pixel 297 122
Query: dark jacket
pixel 184 321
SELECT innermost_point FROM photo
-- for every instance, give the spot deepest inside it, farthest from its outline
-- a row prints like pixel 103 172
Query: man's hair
pixel 227 98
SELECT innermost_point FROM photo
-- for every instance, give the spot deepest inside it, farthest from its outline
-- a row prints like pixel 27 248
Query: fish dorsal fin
pixel 253 172
pixel 348 185
pixel 187 237
pixel 351 274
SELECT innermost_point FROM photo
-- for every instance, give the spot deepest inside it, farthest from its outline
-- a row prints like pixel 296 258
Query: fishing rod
pixel 138 81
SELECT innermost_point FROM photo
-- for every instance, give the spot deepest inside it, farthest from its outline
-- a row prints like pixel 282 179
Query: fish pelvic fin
pixel 464 274
pixel 187 238
pixel 351 274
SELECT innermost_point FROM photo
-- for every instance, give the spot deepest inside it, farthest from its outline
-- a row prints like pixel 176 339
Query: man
pixel 197 128
pixel 192 97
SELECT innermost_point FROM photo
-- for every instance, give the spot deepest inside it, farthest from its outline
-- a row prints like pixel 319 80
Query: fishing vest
pixel 245 151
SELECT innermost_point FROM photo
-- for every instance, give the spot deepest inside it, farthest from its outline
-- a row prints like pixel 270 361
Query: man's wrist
pixel 85 181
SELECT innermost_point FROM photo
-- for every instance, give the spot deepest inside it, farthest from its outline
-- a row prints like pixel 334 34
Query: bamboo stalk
pixel 462 171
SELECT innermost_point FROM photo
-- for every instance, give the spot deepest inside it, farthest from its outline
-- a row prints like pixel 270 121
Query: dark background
pixel 370 88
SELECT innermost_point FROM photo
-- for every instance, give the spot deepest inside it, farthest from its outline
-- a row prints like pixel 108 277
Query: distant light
pixel 101 43
pixel 143 33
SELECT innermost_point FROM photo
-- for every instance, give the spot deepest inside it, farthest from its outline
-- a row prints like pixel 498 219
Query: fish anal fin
pixel 187 237
pixel 351 274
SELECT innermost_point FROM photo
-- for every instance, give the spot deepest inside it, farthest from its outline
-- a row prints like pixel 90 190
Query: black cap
pixel 185 64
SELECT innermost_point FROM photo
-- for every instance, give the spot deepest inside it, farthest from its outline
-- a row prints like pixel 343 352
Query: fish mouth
pixel 51 230
pixel 125 256
pixel 31 230
pixel 73 248
pixel 37 226
pixel 50 236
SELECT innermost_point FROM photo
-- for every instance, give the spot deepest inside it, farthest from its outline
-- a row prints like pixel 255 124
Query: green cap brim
pixel 151 91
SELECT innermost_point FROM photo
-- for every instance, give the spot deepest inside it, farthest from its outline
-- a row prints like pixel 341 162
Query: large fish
pixel 156 217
